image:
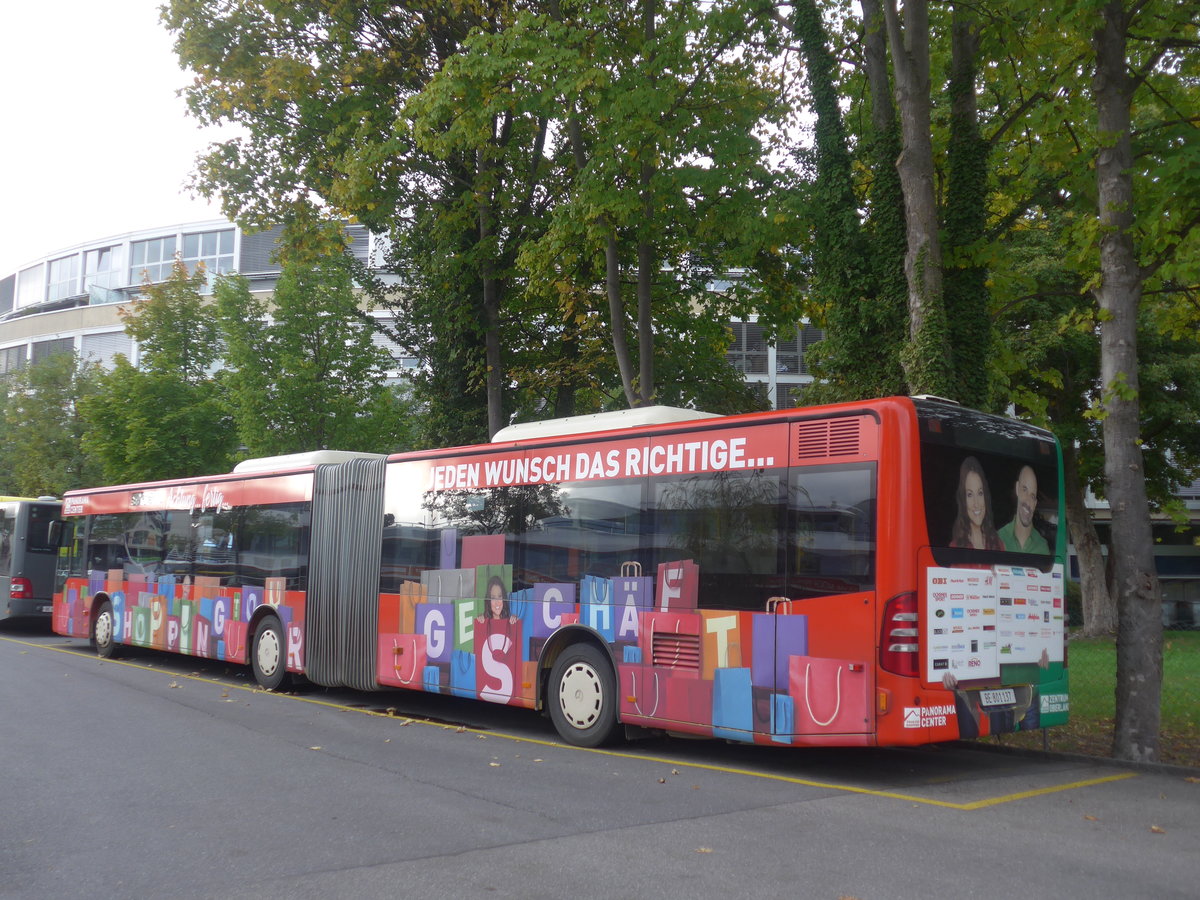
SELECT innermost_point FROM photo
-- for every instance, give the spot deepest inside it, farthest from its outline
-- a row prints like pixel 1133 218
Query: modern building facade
pixel 68 300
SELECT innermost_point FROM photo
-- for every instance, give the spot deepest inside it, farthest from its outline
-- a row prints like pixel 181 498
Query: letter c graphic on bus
pixel 550 618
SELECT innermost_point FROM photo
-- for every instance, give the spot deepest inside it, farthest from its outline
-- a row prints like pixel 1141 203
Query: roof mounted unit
pixel 300 460
pixel 607 421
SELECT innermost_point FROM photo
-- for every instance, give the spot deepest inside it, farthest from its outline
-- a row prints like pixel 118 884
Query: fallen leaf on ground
pixel 1156 829
pixel 1091 818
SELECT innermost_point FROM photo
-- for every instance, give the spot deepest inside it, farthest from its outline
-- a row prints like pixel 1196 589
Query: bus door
pixel 824 677
pixel 826 631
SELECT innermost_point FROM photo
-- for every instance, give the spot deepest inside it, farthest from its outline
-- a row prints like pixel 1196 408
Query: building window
pixel 748 352
pixel 12 359
pixel 151 259
pixel 213 248
pixel 63 280
pixel 45 349
pixel 104 268
pixel 809 335
pixel 31 286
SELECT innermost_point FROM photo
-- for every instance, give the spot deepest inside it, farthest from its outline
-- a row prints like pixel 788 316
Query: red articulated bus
pixel 887 572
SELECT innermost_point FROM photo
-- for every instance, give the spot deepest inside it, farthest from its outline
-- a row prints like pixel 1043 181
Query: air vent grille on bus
pixel 834 437
pixel 676 651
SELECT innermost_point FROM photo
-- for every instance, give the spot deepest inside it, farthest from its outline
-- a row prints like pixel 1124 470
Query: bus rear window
pixel 990 483
pixel 38 535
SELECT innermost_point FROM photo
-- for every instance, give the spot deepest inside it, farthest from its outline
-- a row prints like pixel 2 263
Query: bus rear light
pixel 21 589
pixel 899 643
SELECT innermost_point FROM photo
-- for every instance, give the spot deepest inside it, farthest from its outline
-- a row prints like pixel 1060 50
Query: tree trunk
pixel 927 359
pixel 1139 596
pixel 964 283
pixel 1099 612
pixel 612 275
pixel 491 308
pixel 645 249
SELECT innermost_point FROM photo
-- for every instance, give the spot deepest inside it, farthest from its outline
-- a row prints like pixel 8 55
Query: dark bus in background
pixel 28 551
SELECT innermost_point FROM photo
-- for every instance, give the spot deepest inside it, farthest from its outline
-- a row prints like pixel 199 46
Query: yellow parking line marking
pixel 676 763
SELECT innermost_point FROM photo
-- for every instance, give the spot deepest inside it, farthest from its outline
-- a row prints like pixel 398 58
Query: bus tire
pixel 583 696
pixel 103 631
pixel 269 655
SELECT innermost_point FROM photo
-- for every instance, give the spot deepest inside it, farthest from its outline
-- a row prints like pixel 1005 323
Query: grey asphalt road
pixel 158 776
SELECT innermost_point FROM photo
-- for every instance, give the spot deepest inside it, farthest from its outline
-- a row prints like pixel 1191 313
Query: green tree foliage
pixel 304 373
pixel 462 154
pixel 164 418
pixel 42 448
pixel 317 90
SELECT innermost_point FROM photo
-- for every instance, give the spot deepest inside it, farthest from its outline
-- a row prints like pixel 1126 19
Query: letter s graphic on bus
pixel 496 669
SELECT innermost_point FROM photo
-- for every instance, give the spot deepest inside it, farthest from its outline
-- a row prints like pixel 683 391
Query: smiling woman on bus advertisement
pixel 973 527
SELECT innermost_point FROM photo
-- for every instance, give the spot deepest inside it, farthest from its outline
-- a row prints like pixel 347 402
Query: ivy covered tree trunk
pixel 1135 582
pixel 965 283
pixel 886 230
pixel 927 360
pixel 846 362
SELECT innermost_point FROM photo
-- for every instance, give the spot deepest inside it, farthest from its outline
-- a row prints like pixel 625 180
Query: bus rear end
pixel 27 558
pixel 977 646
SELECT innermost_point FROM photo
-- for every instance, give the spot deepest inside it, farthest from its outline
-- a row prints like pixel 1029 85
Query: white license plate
pixel 1002 697
pixel 47 609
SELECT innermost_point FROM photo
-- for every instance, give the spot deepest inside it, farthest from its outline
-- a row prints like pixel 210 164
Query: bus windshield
pixel 990 483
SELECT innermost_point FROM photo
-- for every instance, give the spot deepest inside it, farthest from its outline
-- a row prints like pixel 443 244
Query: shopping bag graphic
pixel 641 692
pixel 235 641
pixel 633 594
pixel 829 696
pixel 783 718
pixel 401 660
pixel 550 603
pixel 678 584
pixel 596 605
pixel 497 659
pixel 687 700
pixel 435 622
pixel 462 673
pixel 733 705
pixel 775 640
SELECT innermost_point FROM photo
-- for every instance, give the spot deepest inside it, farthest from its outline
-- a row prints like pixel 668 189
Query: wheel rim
pixel 104 628
pixel 267 652
pixel 581 695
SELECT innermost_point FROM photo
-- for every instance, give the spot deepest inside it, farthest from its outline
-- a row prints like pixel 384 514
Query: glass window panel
pixel 731 525
pixel 831 530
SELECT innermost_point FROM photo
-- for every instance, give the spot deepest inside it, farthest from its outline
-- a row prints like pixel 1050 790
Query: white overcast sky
pixel 93 139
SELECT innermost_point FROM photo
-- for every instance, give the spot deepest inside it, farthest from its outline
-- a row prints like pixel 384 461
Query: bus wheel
pixel 103 631
pixel 269 658
pixel 583 696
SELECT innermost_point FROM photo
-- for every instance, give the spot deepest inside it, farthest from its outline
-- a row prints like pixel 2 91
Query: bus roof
pixel 606 421
pixel 301 460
